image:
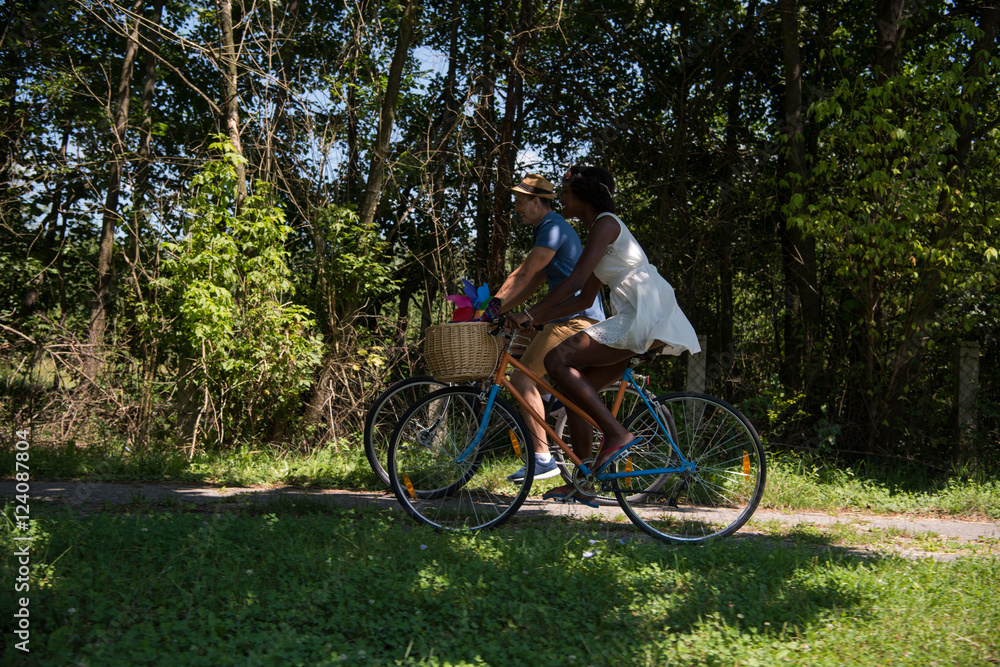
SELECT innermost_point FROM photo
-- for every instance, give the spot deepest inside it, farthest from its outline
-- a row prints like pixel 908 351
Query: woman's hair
pixel 593 185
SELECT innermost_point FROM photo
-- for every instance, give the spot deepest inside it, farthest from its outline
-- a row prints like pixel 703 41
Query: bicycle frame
pixel 500 381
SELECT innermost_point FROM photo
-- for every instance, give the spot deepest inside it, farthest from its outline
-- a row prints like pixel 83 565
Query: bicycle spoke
pixel 384 414
pixel 441 479
pixel 718 483
pixel 631 402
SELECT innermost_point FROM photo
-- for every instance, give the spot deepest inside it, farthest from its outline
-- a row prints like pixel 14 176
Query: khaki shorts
pixel 548 338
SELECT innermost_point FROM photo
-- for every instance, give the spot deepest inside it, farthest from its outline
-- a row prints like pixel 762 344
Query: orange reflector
pixel 409 486
pixel 514 442
pixel 746 464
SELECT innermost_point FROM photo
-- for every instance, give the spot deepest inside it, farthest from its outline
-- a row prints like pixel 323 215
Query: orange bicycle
pixel 696 470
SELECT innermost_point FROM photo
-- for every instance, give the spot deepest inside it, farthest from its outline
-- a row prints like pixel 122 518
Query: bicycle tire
pixel 630 403
pixel 441 488
pixel 384 414
pixel 425 426
pixel 717 494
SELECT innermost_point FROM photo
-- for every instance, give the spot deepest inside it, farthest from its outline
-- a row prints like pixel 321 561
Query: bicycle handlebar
pixel 500 328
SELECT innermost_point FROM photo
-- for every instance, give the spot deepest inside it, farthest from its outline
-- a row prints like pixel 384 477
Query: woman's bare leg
pixel 581 432
pixel 575 365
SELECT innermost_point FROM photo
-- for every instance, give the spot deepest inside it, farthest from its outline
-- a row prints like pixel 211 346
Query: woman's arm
pixel 582 279
pixel 571 306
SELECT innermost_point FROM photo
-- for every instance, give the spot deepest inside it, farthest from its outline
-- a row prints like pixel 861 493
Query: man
pixel 555 250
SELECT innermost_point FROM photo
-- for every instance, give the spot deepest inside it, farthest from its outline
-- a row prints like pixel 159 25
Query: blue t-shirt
pixel 555 233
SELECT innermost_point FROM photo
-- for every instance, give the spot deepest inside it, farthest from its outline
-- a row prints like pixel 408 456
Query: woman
pixel 645 316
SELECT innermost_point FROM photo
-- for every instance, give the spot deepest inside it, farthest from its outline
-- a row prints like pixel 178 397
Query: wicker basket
pixel 461 351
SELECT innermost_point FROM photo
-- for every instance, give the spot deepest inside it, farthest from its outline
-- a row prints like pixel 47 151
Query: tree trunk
pixel 889 34
pixel 94 360
pixel 10 128
pixel 484 131
pixel 797 250
pixel 735 133
pixel 231 103
pixel 281 38
pixel 50 247
pixel 496 269
pixel 353 141
pixel 288 57
pixel 380 152
pixel 141 188
pixel 148 350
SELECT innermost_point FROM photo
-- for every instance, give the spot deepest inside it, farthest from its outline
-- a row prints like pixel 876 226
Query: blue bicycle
pixel 696 472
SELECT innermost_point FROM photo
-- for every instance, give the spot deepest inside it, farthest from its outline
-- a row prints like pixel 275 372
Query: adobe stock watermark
pixel 22 540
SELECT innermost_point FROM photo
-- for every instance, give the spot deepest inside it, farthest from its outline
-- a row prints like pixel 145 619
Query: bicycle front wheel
pixel 444 480
pixel 711 490
pixel 384 414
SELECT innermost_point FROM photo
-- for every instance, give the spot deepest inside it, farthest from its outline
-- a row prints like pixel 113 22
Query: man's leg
pixel 534 360
pixel 545 465
pixel 532 399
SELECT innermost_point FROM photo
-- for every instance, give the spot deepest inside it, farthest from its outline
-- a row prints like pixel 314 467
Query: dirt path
pixel 911 536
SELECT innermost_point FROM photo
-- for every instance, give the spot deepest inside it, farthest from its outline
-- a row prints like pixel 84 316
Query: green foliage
pixel 249 351
pixel 907 236
pixel 807 482
pixel 353 263
pixel 883 198
pixel 774 409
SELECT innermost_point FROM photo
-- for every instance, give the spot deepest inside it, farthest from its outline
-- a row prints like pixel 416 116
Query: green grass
pixel 343 466
pixel 792 485
pixel 299 582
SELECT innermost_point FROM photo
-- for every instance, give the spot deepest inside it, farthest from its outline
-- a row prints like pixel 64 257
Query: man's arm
pixel 526 279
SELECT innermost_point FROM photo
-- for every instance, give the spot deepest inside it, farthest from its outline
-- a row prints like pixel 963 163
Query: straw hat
pixel 537 186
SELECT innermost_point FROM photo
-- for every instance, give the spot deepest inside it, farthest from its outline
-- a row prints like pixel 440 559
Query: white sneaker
pixel 542 471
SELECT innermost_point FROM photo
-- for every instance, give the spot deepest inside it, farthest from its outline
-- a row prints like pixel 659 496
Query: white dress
pixel 642 302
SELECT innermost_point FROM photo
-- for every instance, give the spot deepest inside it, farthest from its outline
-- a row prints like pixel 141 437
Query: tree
pixel 798 250
pixel 102 300
pixel 246 353
pixel 904 230
pixel 230 91
pixel 376 170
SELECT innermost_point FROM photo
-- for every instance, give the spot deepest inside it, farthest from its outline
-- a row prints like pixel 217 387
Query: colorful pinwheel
pixel 470 306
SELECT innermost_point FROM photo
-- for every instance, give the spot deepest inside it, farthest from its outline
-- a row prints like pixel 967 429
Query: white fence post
pixel 697 375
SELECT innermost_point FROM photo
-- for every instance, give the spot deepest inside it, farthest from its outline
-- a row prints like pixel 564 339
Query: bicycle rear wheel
pixel 711 496
pixel 441 480
pixel 384 414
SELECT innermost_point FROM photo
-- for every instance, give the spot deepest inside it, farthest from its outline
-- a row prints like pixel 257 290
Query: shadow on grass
pixel 301 580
